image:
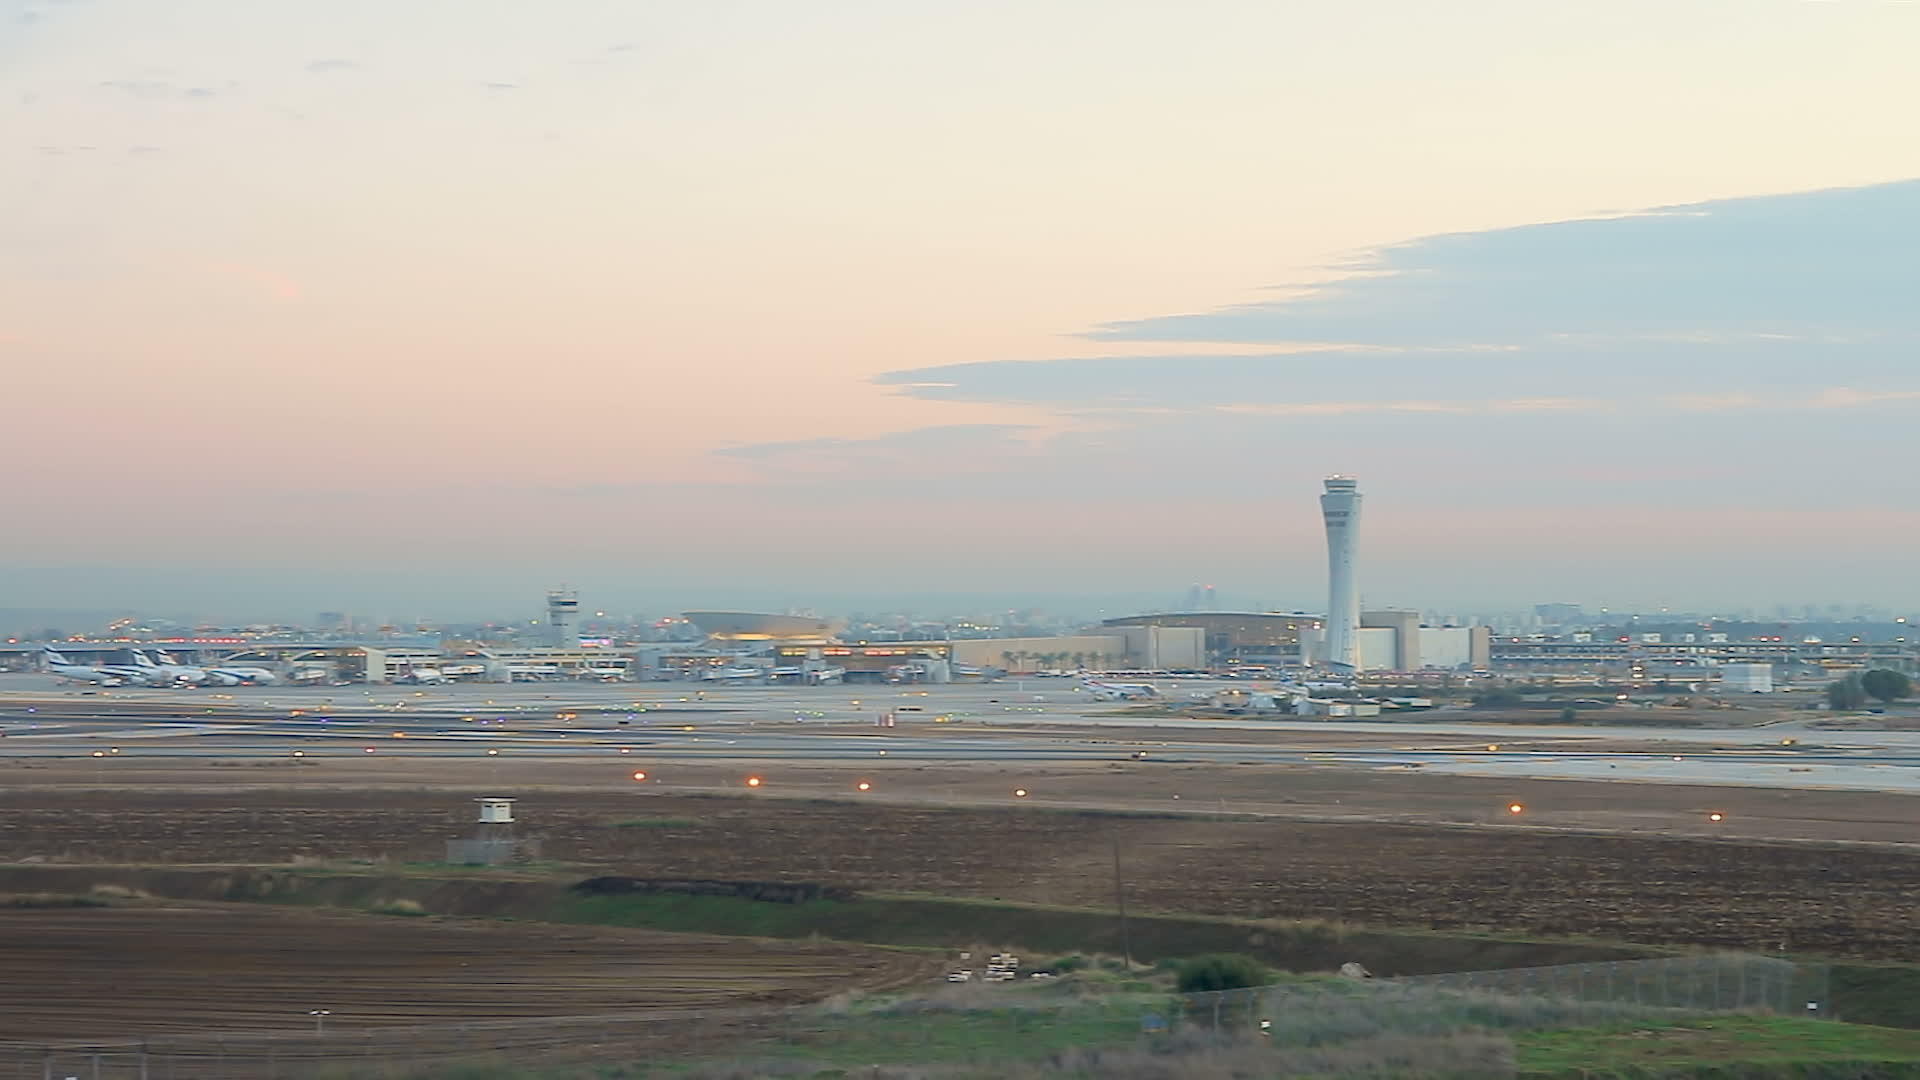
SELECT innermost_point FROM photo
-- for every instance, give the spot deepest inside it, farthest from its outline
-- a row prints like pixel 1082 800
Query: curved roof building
pixel 751 626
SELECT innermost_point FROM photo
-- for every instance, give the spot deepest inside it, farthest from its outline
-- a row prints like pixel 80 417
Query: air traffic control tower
pixel 1340 506
pixel 563 619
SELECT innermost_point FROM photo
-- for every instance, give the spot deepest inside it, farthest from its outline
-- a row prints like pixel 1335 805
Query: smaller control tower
pixel 563 618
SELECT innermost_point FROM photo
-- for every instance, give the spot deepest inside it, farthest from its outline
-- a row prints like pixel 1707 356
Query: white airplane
pixel 733 674
pixel 168 673
pixel 604 674
pixel 1107 691
pixel 86 673
pixel 422 676
pixel 242 676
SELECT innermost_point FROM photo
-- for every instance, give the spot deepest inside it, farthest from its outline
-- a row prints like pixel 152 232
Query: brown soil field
pixel 1378 853
pixel 151 968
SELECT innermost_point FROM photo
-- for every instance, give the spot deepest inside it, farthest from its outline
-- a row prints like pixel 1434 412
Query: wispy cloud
pixel 324 67
pixel 163 90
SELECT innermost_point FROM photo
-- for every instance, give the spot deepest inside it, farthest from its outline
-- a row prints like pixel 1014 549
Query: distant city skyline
pixel 312 305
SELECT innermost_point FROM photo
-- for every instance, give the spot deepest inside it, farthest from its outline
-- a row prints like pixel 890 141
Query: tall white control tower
pixel 1340 506
pixel 563 619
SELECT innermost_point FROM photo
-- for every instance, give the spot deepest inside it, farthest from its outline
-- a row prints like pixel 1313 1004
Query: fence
pixel 1719 982
pixel 1307 1014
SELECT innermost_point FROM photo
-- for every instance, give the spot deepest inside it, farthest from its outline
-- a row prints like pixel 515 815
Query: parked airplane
pixel 167 673
pixel 422 676
pixel 86 673
pixel 1107 691
pixel 241 676
pixel 733 674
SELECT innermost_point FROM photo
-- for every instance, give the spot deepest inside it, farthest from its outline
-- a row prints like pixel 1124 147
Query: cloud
pixel 1711 355
pixel 1804 265
pixel 501 86
pixel 323 67
pixel 162 90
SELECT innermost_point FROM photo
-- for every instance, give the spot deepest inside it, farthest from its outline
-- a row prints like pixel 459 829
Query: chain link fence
pixel 1306 1014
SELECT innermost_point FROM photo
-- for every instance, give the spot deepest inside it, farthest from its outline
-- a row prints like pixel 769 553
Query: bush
pixel 1498 698
pixel 398 907
pixel 1066 964
pixel 1847 694
pixel 1888 686
pixel 1219 971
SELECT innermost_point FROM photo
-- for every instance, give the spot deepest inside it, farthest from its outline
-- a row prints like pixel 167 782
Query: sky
pixel 427 307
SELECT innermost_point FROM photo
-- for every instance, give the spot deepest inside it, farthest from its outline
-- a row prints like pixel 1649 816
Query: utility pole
pixel 1120 900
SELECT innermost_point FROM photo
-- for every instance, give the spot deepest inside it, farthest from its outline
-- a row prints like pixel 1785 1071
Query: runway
pixel 1034 722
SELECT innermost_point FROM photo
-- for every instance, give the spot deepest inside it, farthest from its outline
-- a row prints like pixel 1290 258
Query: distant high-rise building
pixel 1558 614
pixel 563 618
pixel 1340 508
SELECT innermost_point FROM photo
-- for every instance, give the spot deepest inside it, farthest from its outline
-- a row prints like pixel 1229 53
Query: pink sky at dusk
pixel 612 292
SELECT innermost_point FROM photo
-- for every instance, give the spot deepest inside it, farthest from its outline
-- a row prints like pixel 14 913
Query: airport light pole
pixel 319 1020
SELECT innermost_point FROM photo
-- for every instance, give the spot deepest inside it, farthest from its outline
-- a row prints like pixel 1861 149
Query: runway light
pixel 753 781
pixel 1676 757
pixel 883 753
pixel 113 749
pixel 1493 746
pixel 493 753
pixel 624 750
pixel 369 749
pixel 1716 816
pixel 299 753
pixel 640 776
pixel 863 786
pixel 99 753
pixel 1019 793
pixel 1515 808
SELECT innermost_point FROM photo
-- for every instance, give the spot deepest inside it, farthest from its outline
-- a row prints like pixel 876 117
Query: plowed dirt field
pixel 1842 900
pixel 123 972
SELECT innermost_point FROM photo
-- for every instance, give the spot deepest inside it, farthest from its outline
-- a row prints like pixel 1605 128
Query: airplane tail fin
pixel 142 659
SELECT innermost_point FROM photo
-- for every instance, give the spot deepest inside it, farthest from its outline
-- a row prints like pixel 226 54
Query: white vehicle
pixel 167 673
pixel 1107 691
pixel 86 673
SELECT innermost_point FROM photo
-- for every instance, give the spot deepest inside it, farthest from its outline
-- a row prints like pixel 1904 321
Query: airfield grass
pixel 1723 1046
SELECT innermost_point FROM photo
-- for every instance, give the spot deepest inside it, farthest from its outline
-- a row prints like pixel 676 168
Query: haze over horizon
pixel 427 308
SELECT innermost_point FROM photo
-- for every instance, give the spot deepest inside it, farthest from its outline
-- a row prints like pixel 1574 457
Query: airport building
pixel 794 645
pixel 1230 638
pixel 1397 641
pixel 1746 678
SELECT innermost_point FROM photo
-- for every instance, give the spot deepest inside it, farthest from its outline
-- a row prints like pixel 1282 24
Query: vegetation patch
pixel 51 900
pixel 408 908
pixel 1723 1046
